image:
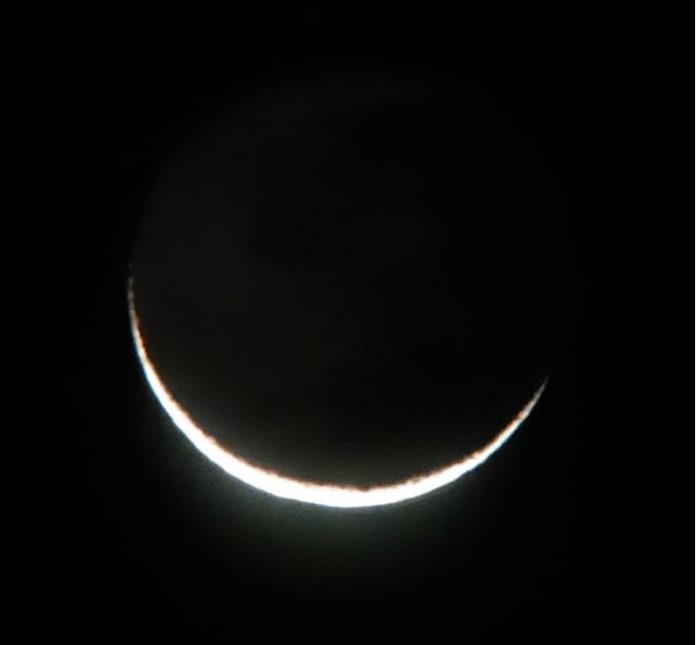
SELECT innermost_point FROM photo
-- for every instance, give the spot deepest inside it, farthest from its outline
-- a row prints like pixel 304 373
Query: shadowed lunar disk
pixel 350 282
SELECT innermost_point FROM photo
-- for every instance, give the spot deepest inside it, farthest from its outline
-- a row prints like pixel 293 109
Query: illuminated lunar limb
pixel 305 491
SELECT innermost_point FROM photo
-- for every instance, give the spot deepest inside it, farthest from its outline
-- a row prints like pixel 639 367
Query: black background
pixel 567 533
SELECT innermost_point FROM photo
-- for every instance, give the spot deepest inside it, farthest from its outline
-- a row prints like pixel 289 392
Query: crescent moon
pixel 306 491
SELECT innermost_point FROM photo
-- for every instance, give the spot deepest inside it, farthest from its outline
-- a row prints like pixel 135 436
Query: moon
pixel 306 491
pixel 345 292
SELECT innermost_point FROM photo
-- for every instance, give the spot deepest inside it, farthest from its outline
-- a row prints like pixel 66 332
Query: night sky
pixel 350 266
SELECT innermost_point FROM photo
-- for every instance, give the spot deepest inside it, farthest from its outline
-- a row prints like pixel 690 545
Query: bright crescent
pixel 305 491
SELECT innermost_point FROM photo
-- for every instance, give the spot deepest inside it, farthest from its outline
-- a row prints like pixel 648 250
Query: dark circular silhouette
pixel 351 280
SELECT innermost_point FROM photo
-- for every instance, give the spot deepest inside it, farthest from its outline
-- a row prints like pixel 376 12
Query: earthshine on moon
pixel 307 491
pixel 321 289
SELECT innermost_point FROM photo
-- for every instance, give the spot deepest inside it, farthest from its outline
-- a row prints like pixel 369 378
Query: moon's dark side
pixel 350 281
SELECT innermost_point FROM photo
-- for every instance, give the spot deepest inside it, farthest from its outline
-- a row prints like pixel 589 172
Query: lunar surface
pixel 303 491
pixel 347 292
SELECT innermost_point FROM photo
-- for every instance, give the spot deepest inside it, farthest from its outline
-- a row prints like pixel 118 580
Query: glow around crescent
pixel 305 491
